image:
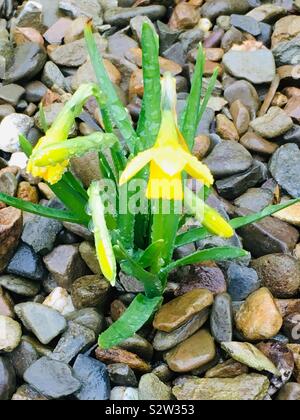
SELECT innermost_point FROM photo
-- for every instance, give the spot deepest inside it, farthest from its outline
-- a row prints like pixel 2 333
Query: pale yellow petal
pixel 136 165
pixel 162 186
pixel 171 160
pixel 198 170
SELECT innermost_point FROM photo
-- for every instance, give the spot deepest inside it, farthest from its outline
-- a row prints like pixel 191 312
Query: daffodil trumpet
pixel 59 132
pixel 58 153
pixel 207 216
pixel 170 155
pixel 104 248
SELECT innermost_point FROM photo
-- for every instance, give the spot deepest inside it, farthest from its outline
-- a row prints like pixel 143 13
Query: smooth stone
pixel 122 375
pixel 80 231
pixel 26 393
pixel 242 65
pixel 229 369
pixel 19 286
pixel 123 393
pixel 259 317
pixel 241 116
pixel 164 341
pixel 26 263
pixel 194 353
pixel 45 323
pixel 60 300
pixel 291 328
pixel 246 24
pixel 91 9
pixel 266 12
pixel 40 233
pixel 35 91
pixel 285 168
pixel 86 168
pixel 289 214
pixel 29 59
pixel 270 235
pixel 242 281
pixel 89 291
pixel 23 357
pixel 246 93
pixel 10 129
pixel 75 54
pixel 251 387
pixel 225 128
pixel 285 29
pixel 280 273
pixel 290 392
pixel 175 313
pixel 221 319
pixel 119 44
pixel 138 345
pixel 167 36
pixel 117 355
pixel 237 184
pixel 151 388
pixel 275 123
pixel 228 158
pixel 136 25
pixel 57 380
pixel 11 94
pixel 88 254
pixel 287 52
pixel 76 339
pixel 255 199
pixel 7 379
pixel 6 110
pixel 6 304
pixel 93 376
pixel 249 355
pixel 8 184
pixel 121 16
pixel 257 144
pixel 10 334
pixel 65 265
pixel 53 76
pixel 88 317
pixel 11 224
pixel 214 8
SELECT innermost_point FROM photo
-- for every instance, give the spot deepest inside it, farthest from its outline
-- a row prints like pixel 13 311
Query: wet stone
pixel 121 16
pixel 20 286
pixel 88 317
pixel 123 393
pixel 93 376
pixel 76 339
pixel 57 381
pixel 122 375
pixel 23 357
pixel 89 291
pixel 40 233
pixel 151 388
pixel 242 281
pixel 11 222
pixel 229 369
pixel 26 263
pixel 116 355
pixel 138 345
pixel 221 320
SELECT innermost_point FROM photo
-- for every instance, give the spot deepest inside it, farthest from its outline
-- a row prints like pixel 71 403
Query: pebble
pixel 26 263
pixel 122 375
pixel 241 64
pixel 151 388
pixel 194 353
pixel 280 273
pixel 249 355
pixel 246 93
pixel 175 313
pixel 26 393
pixel 53 76
pixel 93 375
pixel 266 12
pixel 88 317
pixel 19 285
pixel 26 191
pixel 7 379
pixel 284 167
pixel 123 393
pixel 6 304
pixel 290 392
pixel 75 339
pixel 89 291
pixel 45 323
pixel 229 369
pixel 11 333
pixel 241 116
pixel 242 281
pixel 116 355
pixel 65 265
pixel 246 24
pixel 23 357
pixel 138 345
pixel 10 128
pixel 11 222
pixel 287 53
pixel 221 319
pixel 259 317
pixel 164 341
pixel 225 128
pixel 121 16
pixel 257 144
pixel 11 94
pixel 275 123
pixel 60 300
pixel 57 381
pixel 243 388
pixel 214 8
pixel 255 199
pixel 289 214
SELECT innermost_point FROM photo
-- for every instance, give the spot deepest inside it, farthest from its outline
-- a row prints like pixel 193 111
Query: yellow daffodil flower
pixel 104 249
pixel 58 133
pixel 170 155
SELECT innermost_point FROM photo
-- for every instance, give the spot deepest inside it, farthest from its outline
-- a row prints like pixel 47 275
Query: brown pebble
pixel 116 355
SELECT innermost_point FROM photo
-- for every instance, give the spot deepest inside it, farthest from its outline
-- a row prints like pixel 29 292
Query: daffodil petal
pixel 215 223
pixel 171 160
pixel 198 170
pixel 162 186
pixel 136 165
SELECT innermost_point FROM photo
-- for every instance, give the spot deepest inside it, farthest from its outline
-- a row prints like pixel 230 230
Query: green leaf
pixel 198 234
pixel 152 88
pixel 43 119
pixel 208 94
pixel 113 103
pixel 214 254
pixel 25 145
pixel 70 179
pixel 151 253
pixel 191 115
pixel 137 314
pixel 151 282
pixel 41 210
